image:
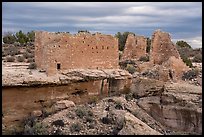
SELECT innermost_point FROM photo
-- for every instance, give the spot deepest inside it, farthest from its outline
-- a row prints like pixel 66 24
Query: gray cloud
pixel 181 19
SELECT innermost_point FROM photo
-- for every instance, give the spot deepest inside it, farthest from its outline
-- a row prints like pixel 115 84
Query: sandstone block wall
pixel 164 52
pixel 135 47
pixel 58 52
pixel 162 48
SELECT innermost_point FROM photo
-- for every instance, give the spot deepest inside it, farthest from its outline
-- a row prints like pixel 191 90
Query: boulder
pixel 37 113
pixel 134 126
pixel 62 104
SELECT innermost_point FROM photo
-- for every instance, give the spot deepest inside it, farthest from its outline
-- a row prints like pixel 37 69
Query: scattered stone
pixel 37 113
pixel 62 104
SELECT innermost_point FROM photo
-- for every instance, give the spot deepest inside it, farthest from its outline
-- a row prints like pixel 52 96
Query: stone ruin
pixel 162 48
pixel 57 52
pixel 164 56
pixel 135 47
pixel 164 53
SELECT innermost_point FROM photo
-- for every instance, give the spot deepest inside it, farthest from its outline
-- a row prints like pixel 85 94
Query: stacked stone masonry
pixel 164 52
pixel 58 52
pixel 135 47
pixel 162 48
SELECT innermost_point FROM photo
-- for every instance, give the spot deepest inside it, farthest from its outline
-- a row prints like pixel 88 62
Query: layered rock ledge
pixel 18 74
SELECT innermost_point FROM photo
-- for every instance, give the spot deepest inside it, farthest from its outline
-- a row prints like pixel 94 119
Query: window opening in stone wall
pixel 88 45
pixel 59 46
pixel 107 47
pixel 83 41
pixel 96 47
pixel 102 47
pixel 58 66
pixel 135 41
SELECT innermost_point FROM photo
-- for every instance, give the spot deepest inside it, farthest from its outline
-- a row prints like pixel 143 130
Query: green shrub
pixel 106 120
pixel 89 119
pixel 11 50
pixel 9 38
pixel 32 65
pixel 187 62
pixel 144 58
pixel 37 129
pixel 29 50
pixel 118 105
pixel 28 55
pixel 92 100
pixel 58 122
pixel 10 59
pixel 182 43
pixel 20 59
pixel 191 74
pixel 29 60
pixel 81 112
pixel 122 37
pixel 128 96
pixel 130 68
pixel 75 127
pixel 86 31
pixel 40 129
pixel 197 58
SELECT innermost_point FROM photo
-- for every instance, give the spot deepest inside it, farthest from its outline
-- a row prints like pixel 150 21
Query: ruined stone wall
pixel 81 51
pixel 176 66
pixel 135 47
pixel 163 52
pixel 162 48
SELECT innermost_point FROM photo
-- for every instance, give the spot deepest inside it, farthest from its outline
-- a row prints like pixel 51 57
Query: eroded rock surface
pixel 17 74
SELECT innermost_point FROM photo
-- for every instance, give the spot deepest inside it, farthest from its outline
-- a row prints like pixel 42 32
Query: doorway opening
pixel 58 66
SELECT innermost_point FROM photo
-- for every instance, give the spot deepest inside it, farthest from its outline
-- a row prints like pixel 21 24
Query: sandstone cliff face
pixel 176 106
pixel 135 47
pixel 151 107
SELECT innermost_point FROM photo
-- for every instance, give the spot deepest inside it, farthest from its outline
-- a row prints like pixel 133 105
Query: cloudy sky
pixel 182 20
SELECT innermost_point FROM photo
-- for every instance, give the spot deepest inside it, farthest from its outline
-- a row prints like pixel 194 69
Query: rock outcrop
pixel 134 126
pixel 177 106
pixel 21 76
